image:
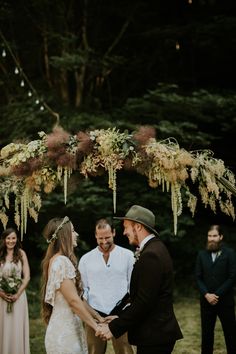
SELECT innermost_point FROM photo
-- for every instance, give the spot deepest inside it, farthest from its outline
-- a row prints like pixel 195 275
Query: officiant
pixel 105 273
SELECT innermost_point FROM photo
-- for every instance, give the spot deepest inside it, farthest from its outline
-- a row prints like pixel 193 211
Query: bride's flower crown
pixel 59 227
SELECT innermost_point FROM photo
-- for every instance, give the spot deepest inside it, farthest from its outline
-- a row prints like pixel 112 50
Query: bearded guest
pixel 216 275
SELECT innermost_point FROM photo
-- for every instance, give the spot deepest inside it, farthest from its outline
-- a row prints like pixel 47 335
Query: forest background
pixel 103 64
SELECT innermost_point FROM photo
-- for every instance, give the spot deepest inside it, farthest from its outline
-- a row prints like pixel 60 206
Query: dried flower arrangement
pixel 27 170
pixel 167 165
pixel 110 149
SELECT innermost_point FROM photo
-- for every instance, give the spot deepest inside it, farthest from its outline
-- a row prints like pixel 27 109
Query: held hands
pixel 108 319
pixel 103 331
pixel 99 319
pixel 212 298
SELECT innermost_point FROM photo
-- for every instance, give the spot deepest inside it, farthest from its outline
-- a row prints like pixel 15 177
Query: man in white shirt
pixel 105 273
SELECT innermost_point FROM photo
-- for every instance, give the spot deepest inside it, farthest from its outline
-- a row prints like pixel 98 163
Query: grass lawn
pixel 188 315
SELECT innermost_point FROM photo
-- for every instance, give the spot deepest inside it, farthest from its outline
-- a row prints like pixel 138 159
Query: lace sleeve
pixel 61 269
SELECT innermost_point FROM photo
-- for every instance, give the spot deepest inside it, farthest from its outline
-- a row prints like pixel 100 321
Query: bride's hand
pixel 101 319
pixel 98 318
pixel 14 297
pixel 5 296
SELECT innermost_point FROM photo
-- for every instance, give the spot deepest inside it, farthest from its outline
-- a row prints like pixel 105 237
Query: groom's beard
pixel 135 238
pixel 213 246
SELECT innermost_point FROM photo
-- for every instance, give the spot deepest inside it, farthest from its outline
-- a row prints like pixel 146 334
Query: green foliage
pixel 37 335
pixel 34 297
pixel 68 61
pixel 192 119
pixel 22 121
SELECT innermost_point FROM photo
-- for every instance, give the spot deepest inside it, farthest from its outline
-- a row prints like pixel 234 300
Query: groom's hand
pixel 108 319
pixel 103 332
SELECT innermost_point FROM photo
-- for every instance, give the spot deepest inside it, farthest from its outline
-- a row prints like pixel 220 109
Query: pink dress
pixel 14 326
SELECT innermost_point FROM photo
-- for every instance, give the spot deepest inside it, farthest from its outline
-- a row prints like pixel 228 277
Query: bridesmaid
pixel 14 325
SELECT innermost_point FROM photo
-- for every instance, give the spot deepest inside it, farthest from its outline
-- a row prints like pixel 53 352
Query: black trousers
pixel 226 315
pixel 158 349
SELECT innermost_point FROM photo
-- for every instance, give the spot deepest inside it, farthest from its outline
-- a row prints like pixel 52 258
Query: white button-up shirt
pixel 106 283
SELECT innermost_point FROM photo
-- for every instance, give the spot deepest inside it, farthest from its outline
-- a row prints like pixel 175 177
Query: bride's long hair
pixel 63 244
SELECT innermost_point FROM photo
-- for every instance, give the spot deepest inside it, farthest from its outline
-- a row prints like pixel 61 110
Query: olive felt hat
pixel 140 215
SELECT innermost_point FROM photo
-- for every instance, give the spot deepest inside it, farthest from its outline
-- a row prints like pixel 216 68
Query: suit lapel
pixel 148 243
pixel 209 255
pixel 219 253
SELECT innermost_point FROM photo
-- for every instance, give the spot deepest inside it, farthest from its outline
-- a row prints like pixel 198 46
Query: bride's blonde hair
pixel 58 233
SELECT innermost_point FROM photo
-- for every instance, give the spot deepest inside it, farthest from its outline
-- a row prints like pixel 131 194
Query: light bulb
pixel 37 101
pixel 22 83
pixel 29 93
pixel 4 54
pixel 177 46
pixel 41 108
pixel 16 70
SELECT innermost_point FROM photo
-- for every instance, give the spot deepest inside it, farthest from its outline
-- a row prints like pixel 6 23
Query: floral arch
pixel 29 169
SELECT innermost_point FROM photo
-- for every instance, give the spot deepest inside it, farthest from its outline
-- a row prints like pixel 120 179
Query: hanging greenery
pixel 28 170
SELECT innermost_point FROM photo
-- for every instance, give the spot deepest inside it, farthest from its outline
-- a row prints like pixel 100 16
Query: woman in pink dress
pixel 14 318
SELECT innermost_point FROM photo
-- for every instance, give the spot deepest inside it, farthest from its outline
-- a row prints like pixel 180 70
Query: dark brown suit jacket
pixel 150 318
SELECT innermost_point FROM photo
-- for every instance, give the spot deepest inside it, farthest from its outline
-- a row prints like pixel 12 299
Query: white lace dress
pixel 65 332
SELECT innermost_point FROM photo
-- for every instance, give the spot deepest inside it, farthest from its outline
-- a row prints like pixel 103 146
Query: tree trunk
pixel 79 79
pixel 64 86
pixel 46 60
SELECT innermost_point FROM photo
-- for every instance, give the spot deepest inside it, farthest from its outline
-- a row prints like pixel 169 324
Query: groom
pixel 150 319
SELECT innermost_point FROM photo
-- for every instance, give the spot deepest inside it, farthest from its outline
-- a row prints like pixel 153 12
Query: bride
pixel 63 308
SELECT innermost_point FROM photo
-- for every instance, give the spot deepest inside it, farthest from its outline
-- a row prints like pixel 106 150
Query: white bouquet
pixel 10 285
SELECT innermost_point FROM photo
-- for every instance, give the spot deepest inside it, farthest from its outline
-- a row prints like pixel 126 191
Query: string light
pixel 190 2
pixel 177 46
pixel 18 70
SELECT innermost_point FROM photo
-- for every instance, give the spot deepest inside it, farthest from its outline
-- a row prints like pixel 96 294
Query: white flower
pixel 137 254
pixel 11 284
